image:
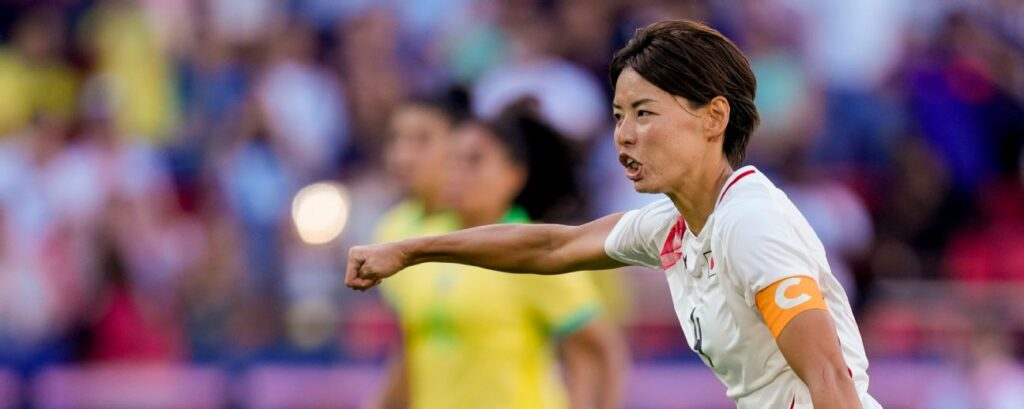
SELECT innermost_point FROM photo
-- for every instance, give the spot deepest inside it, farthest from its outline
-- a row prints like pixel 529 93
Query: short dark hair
pixel 696 62
pixel 452 102
pixel 551 192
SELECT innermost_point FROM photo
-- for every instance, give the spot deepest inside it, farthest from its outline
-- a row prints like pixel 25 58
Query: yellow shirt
pixel 27 90
pixel 476 338
pixel 138 69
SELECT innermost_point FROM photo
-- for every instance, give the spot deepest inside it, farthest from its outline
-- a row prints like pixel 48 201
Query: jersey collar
pixel 516 214
pixel 736 176
pixel 672 250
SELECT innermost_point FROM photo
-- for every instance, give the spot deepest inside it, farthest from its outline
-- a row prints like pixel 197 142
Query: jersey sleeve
pixel 634 239
pixel 564 303
pixel 762 248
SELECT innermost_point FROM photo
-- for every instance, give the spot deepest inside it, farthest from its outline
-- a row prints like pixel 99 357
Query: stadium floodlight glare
pixel 320 212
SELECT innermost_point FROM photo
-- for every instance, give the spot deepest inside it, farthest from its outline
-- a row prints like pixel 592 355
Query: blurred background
pixel 155 250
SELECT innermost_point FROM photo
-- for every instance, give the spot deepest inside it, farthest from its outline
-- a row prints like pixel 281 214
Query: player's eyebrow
pixel 636 103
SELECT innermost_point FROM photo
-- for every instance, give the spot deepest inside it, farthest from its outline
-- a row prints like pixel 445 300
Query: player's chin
pixel 645 186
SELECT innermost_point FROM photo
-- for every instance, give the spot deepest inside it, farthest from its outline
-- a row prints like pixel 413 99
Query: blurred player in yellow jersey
pixel 475 338
pixel 768 318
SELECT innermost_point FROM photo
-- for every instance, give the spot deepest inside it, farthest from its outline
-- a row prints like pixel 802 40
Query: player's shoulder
pixel 406 219
pixel 651 221
pixel 402 211
pixel 397 218
pixel 659 210
pixel 751 204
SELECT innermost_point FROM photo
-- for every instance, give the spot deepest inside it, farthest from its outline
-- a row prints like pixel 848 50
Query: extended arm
pixel 517 248
pixel 811 347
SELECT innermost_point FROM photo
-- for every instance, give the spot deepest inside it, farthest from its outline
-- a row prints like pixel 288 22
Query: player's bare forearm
pixel 515 248
pixel 809 343
pixel 581 374
pixel 832 388
pixel 596 360
pixel 394 393
pixel 617 367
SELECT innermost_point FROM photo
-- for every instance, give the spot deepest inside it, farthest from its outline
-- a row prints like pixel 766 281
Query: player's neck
pixel 431 203
pixel 492 216
pixel 696 200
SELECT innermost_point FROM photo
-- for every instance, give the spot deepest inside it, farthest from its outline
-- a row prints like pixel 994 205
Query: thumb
pixel 355 262
pixel 366 271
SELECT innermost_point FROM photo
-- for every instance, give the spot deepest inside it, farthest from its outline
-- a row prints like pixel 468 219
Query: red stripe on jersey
pixel 741 176
pixel 792 403
pixel 672 250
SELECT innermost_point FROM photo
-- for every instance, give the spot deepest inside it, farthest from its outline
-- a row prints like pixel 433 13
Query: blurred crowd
pixel 150 151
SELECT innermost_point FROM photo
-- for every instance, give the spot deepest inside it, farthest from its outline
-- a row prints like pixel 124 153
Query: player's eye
pixel 617 116
pixel 643 113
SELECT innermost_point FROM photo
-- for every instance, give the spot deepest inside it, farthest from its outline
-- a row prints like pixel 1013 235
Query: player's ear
pixel 716 118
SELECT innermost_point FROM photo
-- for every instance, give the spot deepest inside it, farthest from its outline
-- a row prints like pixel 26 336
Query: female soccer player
pixel 473 338
pixel 748 276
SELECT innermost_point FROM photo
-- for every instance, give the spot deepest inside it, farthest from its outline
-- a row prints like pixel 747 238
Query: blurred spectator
pixel 588 34
pixel 28 307
pixel 956 102
pixel 991 248
pixel 790 98
pixel 150 151
pixel 375 78
pixel 34 77
pixel 123 324
pixel 568 97
pixel 102 163
pixel 213 85
pixel 918 214
pixel 211 296
pixel 473 45
pixel 242 22
pixel 257 184
pixel 129 55
pixel 301 102
pixel 869 32
pixel 853 48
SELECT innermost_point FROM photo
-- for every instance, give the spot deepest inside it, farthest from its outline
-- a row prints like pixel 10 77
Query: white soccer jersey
pixel 754 238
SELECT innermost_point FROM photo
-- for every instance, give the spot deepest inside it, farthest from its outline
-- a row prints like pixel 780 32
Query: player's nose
pixel 625 135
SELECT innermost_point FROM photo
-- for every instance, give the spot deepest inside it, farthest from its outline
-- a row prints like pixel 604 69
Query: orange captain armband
pixel 780 302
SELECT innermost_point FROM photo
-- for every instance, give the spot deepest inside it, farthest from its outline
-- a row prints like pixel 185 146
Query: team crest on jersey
pixel 710 259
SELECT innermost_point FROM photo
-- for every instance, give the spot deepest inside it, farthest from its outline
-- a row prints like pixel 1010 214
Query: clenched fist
pixel 367 265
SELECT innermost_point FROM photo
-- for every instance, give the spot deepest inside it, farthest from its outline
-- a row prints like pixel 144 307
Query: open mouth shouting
pixel 634 168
